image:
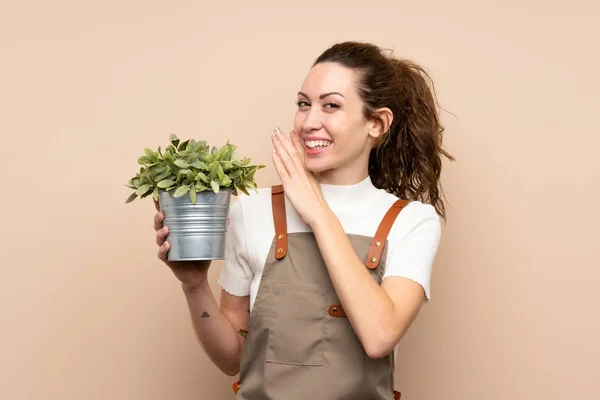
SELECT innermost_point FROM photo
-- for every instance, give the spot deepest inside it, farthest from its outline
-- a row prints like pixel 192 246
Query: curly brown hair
pixel 407 161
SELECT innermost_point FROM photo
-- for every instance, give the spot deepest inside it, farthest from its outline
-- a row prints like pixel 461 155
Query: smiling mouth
pixel 316 144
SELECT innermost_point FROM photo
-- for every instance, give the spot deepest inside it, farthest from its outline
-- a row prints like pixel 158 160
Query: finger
pixel 161 234
pixel 158 220
pixel 284 157
pixel 300 149
pixel 156 205
pixel 298 145
pixel 291 150
pixel 163 250
pixel 280 168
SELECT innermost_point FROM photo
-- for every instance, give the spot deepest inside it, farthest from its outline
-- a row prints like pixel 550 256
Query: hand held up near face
pixel 300 185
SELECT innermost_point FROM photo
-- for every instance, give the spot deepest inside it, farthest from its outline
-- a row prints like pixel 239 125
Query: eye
pixel 332 105
pixel 302 103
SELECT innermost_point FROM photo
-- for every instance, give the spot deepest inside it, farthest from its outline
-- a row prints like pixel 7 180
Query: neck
pixel 328 178
pixel 342 177
pixel 348 192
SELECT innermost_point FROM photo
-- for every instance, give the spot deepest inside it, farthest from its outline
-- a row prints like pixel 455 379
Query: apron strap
pixel 381 235
pixel 278 205
pixel 376 249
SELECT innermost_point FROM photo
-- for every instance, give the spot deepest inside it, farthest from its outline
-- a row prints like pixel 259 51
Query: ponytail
pixel 408 160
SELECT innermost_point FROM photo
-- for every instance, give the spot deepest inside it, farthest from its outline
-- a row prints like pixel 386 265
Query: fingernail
pixel 277 130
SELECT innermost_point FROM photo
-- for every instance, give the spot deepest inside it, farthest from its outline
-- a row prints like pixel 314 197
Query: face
pixel 336 137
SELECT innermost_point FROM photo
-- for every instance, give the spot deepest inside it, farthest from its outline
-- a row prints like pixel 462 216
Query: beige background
pixel 89 312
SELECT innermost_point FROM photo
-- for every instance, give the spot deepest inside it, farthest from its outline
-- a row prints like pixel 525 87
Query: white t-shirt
pixel 413 239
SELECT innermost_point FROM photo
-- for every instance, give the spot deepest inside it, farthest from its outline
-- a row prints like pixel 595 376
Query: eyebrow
pixel 321 97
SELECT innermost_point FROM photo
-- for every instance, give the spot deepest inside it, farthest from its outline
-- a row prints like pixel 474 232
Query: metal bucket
pixel 196 231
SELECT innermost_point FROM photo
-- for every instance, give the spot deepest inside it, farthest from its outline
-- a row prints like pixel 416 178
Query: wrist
pixel 322 219
pixel 196 286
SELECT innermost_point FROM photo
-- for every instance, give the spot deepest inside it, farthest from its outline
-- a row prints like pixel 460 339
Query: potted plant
pixel 193 184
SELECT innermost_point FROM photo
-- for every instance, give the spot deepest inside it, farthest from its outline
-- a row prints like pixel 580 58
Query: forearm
pixel 367 306
pixel 214 330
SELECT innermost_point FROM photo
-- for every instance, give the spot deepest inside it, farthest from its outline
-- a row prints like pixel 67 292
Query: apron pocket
pixel 297 329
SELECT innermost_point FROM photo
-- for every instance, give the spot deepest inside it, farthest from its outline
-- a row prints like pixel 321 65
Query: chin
pixel 317 166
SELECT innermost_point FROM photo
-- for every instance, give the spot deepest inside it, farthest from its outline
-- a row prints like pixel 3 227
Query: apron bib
pixel 300 342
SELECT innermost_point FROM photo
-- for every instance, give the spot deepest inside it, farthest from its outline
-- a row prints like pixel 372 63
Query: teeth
pixel 316 143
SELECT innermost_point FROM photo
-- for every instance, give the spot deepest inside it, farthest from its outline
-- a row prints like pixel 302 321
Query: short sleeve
pixel 413 245
pixel 236 274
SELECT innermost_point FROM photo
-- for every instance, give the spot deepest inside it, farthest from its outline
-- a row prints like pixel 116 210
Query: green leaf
pixel 190 175
pixel 181 191
pixel 162 176
pixel 226 165
pixel 221 153
pixel 174 140
pixel 215 186
pixel 200 187
pixel 131 198
pixel 225 181
pixel 143 189
pixel 220 171
pixel 203 177
pixel 183 145
pixel 182 163
pixel 193 194
pixel 213 169
pixel 156 169
pixel 155 194
pixel 179 178
pixel 165 183
pixel 199 165
pixel 152 156
pixel 143 160
pixel 243 190
pixel 200 146
pixel 236 174
pixel 209 159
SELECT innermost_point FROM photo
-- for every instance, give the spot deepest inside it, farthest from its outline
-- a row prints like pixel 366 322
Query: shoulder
pixel 415 211
pixel 417 218
pixel 413 244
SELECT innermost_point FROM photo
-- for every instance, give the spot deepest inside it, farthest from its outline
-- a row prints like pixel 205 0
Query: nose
pixel 312 121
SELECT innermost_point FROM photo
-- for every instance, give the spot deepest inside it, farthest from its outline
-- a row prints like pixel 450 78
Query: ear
pixel 380 123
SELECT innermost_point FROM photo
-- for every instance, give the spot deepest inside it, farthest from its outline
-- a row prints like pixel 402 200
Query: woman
pixel 326 272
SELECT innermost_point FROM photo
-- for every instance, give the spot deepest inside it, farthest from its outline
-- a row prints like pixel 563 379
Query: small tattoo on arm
pixel 204 315
pixel 243 333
